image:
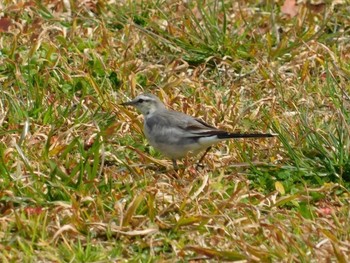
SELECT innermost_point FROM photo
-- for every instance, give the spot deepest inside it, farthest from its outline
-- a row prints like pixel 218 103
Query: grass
pixel 79 182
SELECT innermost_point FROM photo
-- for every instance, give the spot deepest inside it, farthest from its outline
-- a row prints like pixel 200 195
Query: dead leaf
pixel 316 8
pixel 290 8
pixel 65 228
pixel 5 24
pixel 33 210
pixel 280 188
pixel 143 232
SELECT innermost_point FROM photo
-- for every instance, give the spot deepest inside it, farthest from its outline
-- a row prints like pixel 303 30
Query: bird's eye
pixel 140 100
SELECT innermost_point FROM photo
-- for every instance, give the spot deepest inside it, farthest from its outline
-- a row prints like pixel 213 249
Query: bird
pixel 176 134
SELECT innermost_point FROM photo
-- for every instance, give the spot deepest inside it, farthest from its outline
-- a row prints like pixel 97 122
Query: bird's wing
pixel 177 122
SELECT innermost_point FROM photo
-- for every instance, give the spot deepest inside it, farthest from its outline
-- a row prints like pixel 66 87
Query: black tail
pixel 228 135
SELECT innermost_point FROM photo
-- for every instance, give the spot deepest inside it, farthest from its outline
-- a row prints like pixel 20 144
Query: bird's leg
pixel 201 159
pixel 176 175
pixel 175 164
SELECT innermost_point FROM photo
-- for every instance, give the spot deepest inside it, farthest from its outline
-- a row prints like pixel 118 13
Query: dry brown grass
pixel 79 182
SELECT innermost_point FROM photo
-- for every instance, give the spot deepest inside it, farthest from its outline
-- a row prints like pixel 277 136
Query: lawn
pixel 79 181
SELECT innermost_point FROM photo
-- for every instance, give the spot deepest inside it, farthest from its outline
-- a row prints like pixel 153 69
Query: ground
pixel 79 182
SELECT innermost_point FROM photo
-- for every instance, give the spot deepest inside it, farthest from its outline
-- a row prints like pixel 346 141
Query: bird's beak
pixel 128 103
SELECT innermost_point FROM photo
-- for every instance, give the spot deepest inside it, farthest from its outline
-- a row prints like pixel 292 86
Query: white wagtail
pixel 176 134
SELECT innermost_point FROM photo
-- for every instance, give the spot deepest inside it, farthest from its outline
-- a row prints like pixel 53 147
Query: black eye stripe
pixel 141 100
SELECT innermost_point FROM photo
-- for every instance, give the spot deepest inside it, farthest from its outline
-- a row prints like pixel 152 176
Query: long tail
pixel 228 135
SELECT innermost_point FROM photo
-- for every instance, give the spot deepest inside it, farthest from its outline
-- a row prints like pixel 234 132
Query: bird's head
pixel 146 103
